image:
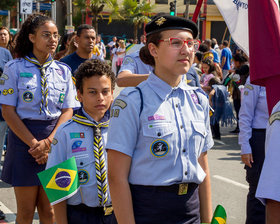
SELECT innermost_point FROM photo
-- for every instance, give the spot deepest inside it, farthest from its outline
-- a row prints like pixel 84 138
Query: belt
pixel 259 129
pixel 180 189
pixel 107 210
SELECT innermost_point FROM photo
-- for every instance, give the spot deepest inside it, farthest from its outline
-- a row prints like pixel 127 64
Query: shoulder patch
pixel 273 117
pixel 248 86
pixel 128 60
pixel 120 103
pixel 127 91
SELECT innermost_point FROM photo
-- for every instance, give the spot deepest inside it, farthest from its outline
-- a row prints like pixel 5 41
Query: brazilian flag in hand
pixel 220 215
pixel 61 181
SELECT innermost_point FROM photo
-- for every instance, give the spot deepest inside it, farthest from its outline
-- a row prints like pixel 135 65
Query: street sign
pixel 26 6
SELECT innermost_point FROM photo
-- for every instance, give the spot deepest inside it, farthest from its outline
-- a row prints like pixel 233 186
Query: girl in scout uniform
pixel 37 96
pixel 95 82
pixel 159 135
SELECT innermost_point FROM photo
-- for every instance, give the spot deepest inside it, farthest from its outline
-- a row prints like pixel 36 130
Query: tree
pixel 7 4
pixel 97 6
pixel 136 13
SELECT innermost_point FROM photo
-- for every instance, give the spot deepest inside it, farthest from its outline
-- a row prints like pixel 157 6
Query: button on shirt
pixel 253 114
pixel 269 182
pixel 74 139
pixel 135 65
pixel 22 89
pixel 166 140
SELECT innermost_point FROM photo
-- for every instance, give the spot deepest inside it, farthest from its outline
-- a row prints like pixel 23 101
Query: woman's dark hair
pixel 203 48
pixel 63 42
pixel 211 65
pixel 31 24
pixel 239 57
pixel 198 54
pixel 214 81
pixel 144 53
pixel 93 67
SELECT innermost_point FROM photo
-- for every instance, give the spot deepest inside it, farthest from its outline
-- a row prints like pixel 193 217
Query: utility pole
pixel 175 3
pixel 54 11
pixel 69 13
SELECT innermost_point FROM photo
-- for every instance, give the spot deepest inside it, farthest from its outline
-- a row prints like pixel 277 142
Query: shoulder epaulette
pixel 64 64
pixel 127 91
pixel 17 60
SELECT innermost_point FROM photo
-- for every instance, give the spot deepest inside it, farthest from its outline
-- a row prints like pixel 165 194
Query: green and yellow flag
pixel 220 215
pixel 61 181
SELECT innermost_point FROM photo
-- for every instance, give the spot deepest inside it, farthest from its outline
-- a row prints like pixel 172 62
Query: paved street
pixel 229 187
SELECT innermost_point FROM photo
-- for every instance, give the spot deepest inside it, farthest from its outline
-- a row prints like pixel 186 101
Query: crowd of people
pixel 57 102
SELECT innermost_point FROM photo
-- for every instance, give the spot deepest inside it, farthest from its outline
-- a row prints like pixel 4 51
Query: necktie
pixel 44 84
pixel 100 164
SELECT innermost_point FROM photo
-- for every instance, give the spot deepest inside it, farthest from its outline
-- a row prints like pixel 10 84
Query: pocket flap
pixel 199 127
pixel 158 129
pixel 83 160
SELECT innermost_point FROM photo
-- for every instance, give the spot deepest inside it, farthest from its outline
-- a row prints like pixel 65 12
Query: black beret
pixel 163 22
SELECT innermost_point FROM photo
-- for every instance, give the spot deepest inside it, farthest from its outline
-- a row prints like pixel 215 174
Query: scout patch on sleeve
pixel 248 86
pixel 128 60
pixel 274 117
pixel 120 103
pixel 2 82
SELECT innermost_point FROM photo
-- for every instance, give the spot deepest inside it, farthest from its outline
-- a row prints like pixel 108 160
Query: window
pixel 161 1
pixel 191 2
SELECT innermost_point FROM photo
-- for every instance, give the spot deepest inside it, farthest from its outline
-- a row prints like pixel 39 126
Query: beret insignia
pixel 160 21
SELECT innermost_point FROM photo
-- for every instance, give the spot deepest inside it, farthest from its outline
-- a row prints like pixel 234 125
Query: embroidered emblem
pixel 27 96
pixel 246 93
pixel 116 112
pixel 160 21
pixel 54 141
pixel 77 135
pixel 128 60
pixel 83 176
pixel 76 147
pixel 273 117
pixel 5 92
pixel 26 74
pixel 11 91
pixel 159 148
pixel 248 86
pixel 120 103
pixel 194 97
pixel 2 82
pixel 156 117
pixel 61 97
pixel 4 76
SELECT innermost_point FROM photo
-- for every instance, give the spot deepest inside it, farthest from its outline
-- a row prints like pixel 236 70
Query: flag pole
pixel 197 10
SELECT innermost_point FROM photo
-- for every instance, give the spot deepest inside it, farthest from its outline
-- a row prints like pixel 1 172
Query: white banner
pixel 235 13
pixel 26 6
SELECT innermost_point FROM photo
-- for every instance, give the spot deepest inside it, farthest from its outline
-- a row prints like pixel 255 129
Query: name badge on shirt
pixel 26 74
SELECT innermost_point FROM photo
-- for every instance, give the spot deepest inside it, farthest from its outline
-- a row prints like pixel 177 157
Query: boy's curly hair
pixel 93 67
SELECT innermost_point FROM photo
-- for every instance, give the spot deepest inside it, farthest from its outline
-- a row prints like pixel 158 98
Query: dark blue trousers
pixel 82 214
pixel 163 205
pixel 255 209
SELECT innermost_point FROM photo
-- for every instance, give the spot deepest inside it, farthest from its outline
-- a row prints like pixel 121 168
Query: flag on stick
pixel 220 215
pixel 235 14
pixel 61 181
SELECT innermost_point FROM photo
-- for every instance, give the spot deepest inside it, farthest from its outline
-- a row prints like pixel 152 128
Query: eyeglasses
pixel 49 36
pixel 178 43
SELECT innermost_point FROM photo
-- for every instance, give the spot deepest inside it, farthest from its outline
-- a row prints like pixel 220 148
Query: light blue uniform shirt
pixel 269 182
pixel 74 139
pixel 135 65
pixel 166 140
pixel 22 89
pixel 253 114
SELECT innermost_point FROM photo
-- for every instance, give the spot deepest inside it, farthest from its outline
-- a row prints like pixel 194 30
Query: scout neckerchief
pixel 100 164
pixel 44 85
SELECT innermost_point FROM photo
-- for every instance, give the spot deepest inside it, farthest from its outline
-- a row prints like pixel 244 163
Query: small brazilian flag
pixel 220 215
pixel 61 181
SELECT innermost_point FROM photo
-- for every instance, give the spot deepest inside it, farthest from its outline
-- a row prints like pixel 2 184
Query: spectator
pixel 208 42
pixel 6 39
pixel 209 70
pixel 65 42
pixel 101 46
pixel 120 52
pixel 226 57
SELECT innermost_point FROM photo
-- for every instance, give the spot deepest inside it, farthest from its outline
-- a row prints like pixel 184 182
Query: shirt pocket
pixel 26 91
pixel 58 91
pixel 198 136
pixel 159 138
pixel 86 167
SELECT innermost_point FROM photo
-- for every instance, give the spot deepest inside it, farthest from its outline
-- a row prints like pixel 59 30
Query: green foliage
pixel 136 13
pixel 7 4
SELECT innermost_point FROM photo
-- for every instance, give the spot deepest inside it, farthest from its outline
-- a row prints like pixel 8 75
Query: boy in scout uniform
pixel 84 137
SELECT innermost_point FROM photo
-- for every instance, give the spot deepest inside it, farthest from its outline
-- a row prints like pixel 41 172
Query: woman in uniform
pixel 159 134
pixel 37 96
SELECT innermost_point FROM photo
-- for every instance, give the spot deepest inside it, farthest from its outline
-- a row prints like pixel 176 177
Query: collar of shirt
pixel 105 117
pixel 161 88
pixel 29 64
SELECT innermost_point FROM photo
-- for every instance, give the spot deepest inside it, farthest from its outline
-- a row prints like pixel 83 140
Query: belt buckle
pixel 183 189
pixel 108 210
